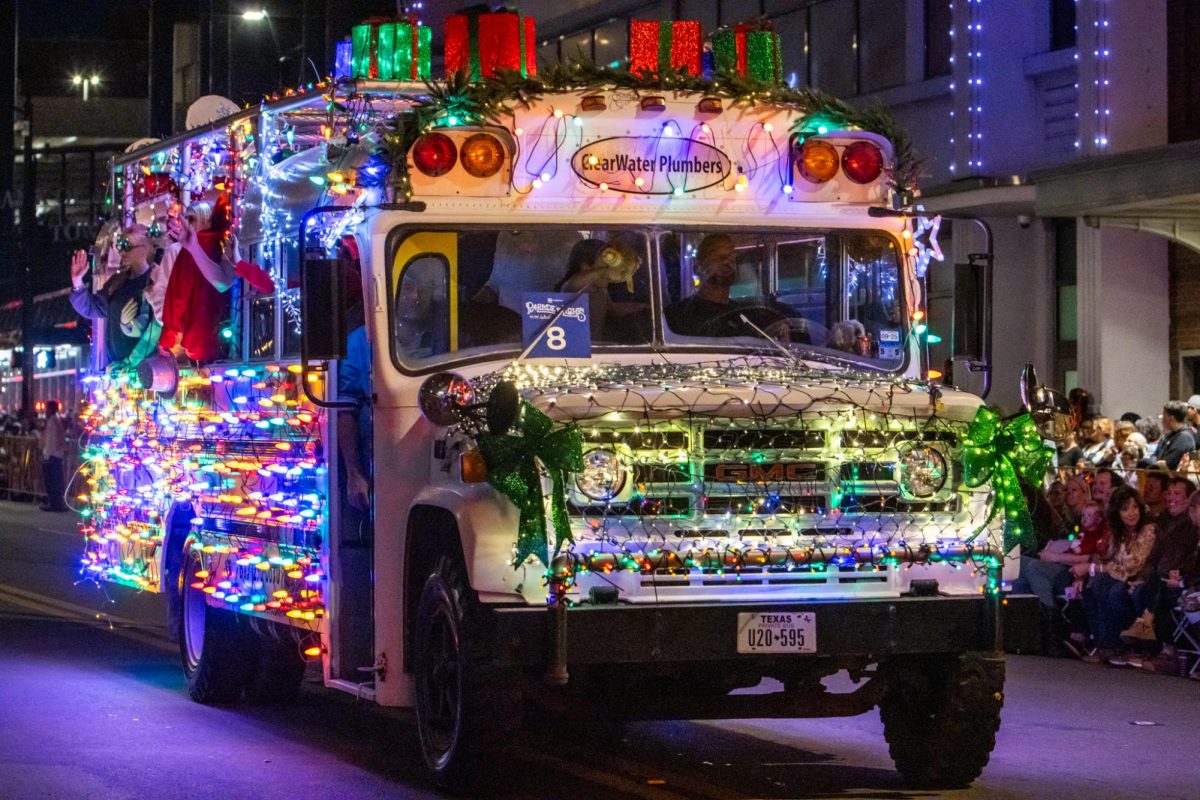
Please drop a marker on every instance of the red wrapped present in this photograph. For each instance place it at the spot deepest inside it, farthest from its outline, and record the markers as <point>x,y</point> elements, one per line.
<point>483,43</point>
<point>656,45</point>
<point>751,51</point>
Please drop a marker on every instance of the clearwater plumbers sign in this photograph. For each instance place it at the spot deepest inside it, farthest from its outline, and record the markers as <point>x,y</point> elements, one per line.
<point>651,164</point>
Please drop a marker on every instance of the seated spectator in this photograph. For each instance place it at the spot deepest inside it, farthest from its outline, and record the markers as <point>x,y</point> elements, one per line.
<point>1103,482</point>
<point>1193,412</point>
<point>1150,430</point>
<point>1047,574</point>
<point>1056,497</point>
<point>1154,492</point>
<point>1163,575</point>
<point>1178,440</point>
<point>1106,596</point>
<point>1069,452</point>
<point>1096,441</point>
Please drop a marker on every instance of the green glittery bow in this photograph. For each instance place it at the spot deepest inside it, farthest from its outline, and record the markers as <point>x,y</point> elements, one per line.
<point>1000,452</point>
<point>512,463</point>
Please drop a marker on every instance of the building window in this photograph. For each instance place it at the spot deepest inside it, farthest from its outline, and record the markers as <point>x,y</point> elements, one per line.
<point>833,39</point>
<point>939,20</point>
<point>612,43</point>
<point>793,36</point>
<point>703,10</point>
<point>734,12</point>
<point>1062,24</point>
<point>577,47</point>
<point>881,44</point>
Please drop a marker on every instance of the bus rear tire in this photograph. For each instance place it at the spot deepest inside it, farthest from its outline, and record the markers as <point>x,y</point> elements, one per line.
<point>465,707</point>
<point>216,648</point>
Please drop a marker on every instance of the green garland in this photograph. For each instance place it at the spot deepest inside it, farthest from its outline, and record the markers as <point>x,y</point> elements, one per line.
<point>493,100</point>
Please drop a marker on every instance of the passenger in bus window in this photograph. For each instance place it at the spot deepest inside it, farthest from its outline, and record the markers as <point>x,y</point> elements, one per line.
<point>192,282</point>
<point>711,310</point>
<point>120,301</point>
<point>421,318</point>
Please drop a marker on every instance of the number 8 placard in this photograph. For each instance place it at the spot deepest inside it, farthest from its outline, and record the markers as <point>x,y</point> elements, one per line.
<point>557,325</point>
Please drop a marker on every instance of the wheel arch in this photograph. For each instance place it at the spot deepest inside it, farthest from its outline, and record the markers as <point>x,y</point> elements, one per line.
<point>431,531</point>
<point>176,528</point>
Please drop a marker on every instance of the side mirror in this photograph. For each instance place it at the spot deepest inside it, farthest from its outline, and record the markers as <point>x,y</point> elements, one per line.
<point>1051,411</point>
<point>322,307</point>
<point>445,398</point>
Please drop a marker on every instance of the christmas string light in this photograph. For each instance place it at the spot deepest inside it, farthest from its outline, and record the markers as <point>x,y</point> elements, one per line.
<point>760,469</point>
<point>238,451</point>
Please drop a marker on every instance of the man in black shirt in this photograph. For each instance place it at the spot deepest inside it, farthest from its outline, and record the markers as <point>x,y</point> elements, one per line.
<point>711,311</point>
<point>1177,440</point>
<point>121,302</point>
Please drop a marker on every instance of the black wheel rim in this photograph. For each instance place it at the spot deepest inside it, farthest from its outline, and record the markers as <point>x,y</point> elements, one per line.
<point>439,685</point>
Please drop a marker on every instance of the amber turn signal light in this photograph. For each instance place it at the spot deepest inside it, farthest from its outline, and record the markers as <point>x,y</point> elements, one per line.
<point>474,468</point>
<point>818,162</point>
<point>482,155</point>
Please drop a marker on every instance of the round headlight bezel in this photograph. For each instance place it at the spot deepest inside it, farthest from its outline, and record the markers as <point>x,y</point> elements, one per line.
<point>923,471</point>
<point>590,481</point>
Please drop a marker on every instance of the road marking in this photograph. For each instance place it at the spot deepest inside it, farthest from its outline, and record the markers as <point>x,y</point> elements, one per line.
<point>73,534</point>
<point>54,607</point>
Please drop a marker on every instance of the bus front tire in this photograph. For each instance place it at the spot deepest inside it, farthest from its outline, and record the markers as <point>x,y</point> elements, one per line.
<point>465,706</point>
<point>217,649</point>
<point>940,716</point>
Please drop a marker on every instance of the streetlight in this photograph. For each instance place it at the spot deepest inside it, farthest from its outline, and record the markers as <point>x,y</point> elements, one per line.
<point>259,15</point>
<point>90,81</point>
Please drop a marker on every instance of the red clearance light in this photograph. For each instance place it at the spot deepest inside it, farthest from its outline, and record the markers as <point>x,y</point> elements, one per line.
<point>818,161</point>
<point>862,162</point>
<point>434,154</point>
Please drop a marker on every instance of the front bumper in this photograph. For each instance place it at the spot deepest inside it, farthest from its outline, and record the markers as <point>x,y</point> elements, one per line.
<point>644,634</point>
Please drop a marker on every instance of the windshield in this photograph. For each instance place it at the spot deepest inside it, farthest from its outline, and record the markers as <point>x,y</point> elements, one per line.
<point>819,294</point>
<point>460,295</point>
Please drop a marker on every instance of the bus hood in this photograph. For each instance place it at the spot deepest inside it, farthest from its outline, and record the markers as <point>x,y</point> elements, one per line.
<point>745,388</point>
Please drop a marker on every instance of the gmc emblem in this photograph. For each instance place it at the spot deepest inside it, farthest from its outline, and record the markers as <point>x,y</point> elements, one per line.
<point>795,472</point>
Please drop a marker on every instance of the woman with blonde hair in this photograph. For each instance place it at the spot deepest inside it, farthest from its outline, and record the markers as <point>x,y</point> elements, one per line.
<point>1047,574</point>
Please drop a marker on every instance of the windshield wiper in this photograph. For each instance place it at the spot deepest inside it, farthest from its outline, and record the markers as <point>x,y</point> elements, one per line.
<point>794,359</point>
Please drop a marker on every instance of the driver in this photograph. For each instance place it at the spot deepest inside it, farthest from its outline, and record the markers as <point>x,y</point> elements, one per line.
<point>711,311</point>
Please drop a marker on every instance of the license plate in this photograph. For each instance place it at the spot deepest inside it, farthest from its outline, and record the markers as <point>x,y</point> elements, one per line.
<point>777,632</point>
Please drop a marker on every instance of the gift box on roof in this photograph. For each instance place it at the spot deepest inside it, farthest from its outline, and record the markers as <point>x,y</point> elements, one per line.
<point>482,42</point>
<point>390,50</point>
<point>752,51</point>
<point>655,46</point>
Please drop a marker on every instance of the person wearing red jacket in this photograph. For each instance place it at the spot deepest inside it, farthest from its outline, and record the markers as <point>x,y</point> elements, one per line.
<point>194,305</point>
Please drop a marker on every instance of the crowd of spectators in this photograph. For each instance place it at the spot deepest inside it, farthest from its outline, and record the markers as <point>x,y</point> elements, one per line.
<point>1117,568</point>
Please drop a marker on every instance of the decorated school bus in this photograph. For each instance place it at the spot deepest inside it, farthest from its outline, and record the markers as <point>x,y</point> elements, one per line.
<point>560,386</point>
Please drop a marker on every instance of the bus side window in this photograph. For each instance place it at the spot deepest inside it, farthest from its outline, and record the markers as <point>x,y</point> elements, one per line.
<point>290,294</point>
<point>262,312</point>
<point>422,313</point>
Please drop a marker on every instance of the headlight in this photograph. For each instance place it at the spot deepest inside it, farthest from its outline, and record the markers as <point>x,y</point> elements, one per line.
<point>602,477</point>
<point>922,471</point>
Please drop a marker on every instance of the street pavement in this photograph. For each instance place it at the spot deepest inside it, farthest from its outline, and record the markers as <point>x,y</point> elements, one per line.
<point>93,705</point>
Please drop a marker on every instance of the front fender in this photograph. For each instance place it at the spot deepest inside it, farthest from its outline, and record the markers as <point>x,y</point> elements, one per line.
<point>487,528</point>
